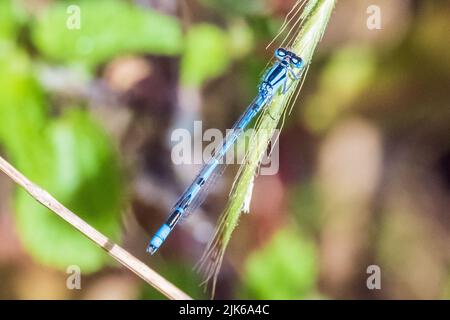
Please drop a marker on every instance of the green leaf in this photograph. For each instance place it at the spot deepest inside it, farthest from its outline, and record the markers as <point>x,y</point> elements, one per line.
<point>284,269</point>
<point>23,113</point>
<point>6,20</point>
<point>206,54</point>
<point>10,17</point>
<point>70,157</point>
<point>108,28</point>
<point>82,173</point>
<point>355,68</point>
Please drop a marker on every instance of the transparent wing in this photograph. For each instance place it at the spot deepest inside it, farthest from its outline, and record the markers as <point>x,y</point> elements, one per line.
<point>200,197</point>
<point>214,168</point>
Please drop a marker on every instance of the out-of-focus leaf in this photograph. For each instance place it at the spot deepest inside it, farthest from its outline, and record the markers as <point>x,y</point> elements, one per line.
<point>284,269</point>
<point>83,174</point>
<point>22,110</point>
<point>355,68</point>
<point>70,157</point>
<point>241,38</point>
<point>206,54</point>
<point>6,19</point>
<point>107,28</point>
<point>10,17</point>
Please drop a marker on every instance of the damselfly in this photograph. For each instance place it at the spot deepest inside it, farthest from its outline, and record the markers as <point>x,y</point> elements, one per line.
<point>278,79</point>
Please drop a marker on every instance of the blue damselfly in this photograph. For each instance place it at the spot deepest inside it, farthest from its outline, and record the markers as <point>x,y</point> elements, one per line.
<point>278,79</point>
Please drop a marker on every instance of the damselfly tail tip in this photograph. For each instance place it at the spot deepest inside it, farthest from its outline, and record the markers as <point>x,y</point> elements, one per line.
<point>158,238</point>
<point>152,248</point>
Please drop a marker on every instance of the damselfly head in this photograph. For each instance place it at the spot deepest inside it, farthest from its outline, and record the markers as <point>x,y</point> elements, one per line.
<point>292,58</point>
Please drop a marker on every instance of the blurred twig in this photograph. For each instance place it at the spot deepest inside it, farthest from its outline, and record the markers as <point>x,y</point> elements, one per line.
<point>115,251</point>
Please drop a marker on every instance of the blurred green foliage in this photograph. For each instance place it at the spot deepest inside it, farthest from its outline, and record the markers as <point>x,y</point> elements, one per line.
<point>108,28</point>
<point>206,54</point>
<point>355,68</point>
<point>7,21</point>
<point>70,156</point>
<point>22,107</point>
<point>82,172</point>
<point>286,268</point>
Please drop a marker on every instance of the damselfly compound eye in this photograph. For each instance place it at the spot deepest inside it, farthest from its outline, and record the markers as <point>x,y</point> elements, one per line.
<point>297,62</point>
<point>281,53</point>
